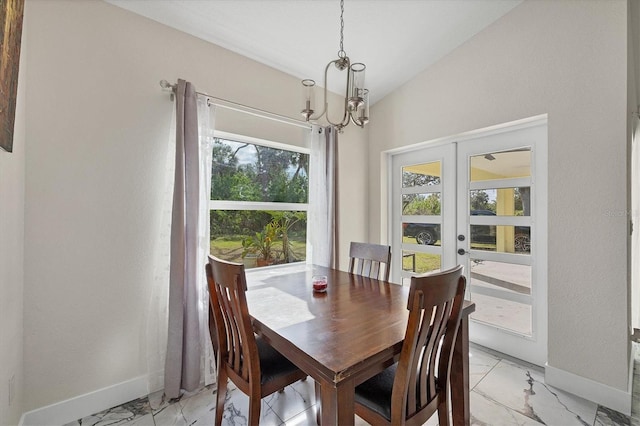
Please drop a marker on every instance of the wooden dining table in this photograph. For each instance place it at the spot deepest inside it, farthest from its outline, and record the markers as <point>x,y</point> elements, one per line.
<point>345,335</point>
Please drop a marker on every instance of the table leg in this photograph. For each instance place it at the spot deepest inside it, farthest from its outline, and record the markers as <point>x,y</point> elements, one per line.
<point>336,406</point>
<point>460,376</point>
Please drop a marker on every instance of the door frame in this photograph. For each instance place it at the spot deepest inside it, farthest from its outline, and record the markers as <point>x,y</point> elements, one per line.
<point>539,162</point>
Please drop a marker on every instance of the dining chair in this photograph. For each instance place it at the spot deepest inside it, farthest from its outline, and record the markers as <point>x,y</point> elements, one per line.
<point>366,259</point>
<point>410,391</point>
<point>255,367</point>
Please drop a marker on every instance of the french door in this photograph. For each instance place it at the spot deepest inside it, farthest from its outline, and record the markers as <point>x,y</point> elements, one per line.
<point>480,201</point>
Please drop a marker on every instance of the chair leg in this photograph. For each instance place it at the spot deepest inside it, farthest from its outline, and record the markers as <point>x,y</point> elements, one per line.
<point>255,403</point>
<point>221,395</point>
<point>443,412</point>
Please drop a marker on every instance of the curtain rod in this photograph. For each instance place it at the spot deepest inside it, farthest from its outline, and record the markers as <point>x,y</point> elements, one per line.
<point>234,106</point>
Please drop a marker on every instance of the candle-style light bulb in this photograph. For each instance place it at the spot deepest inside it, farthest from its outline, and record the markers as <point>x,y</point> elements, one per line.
<point>356,85</point>
<point>308,98</point>
<point>363,116</point>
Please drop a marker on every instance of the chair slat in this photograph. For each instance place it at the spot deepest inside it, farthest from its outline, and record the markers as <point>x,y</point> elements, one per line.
<point>368,259</point>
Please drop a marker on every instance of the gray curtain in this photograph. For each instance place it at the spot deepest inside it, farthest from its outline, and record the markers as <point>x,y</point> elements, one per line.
<point>182,367</point>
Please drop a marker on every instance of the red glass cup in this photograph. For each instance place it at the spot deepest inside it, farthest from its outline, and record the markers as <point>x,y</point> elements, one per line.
<point>319,283</point>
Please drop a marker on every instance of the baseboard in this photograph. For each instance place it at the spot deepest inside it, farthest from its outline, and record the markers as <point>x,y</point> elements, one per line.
<point>599,393</point>
<point>75,408</point>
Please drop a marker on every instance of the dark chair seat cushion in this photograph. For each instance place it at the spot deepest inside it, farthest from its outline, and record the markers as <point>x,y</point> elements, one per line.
<point>272,363</point>
<point>375,393</point>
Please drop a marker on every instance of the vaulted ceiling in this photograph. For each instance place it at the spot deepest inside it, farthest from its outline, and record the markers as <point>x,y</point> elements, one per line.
<point>396,39</point>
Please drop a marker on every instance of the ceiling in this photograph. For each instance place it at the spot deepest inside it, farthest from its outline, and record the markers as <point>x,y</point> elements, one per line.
<point>396,39</point>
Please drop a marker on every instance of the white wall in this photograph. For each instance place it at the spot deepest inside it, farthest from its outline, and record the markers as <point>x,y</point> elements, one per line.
<point>567,59</point>
<point>12,199</point>
<point>353,198</point>
<point>633,90</point>
<point>98,131</point>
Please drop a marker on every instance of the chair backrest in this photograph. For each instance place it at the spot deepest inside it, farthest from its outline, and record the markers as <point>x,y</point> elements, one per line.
<point>235,343</point>
<point>367,259</point>
<point>435,308</point>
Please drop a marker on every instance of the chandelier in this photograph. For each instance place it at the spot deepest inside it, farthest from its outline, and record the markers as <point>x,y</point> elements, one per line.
<point>356,97</point>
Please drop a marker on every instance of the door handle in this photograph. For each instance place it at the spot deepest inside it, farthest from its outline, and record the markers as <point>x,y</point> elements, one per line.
<point>462,251</point>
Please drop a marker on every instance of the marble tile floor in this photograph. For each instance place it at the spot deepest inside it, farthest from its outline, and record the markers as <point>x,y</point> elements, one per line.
<point>504,391</point>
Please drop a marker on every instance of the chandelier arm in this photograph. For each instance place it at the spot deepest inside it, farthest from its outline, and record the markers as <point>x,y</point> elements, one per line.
<point>325,102</point>
<point>345,116</point>
<point>357,121</point>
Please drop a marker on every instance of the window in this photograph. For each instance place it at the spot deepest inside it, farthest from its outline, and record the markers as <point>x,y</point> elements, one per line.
<point>259,201</point>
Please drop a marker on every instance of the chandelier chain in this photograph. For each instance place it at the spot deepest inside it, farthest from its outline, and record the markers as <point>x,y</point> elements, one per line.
<point>341,52</point>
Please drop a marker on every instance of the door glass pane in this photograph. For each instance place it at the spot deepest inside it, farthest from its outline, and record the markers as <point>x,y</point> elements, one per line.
<point>500,202</point>
<point>420,262</point>
<point>421,204</point>
<point>501,276</point>
<point>501,238</point>
<point>501,165</point>
<point>421,233</point>
<point>488,277</point>
<point>421,174</point>
<point>506,314</point>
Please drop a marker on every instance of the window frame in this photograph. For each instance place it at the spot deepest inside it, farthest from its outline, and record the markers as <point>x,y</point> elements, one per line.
<point>230,205</point>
